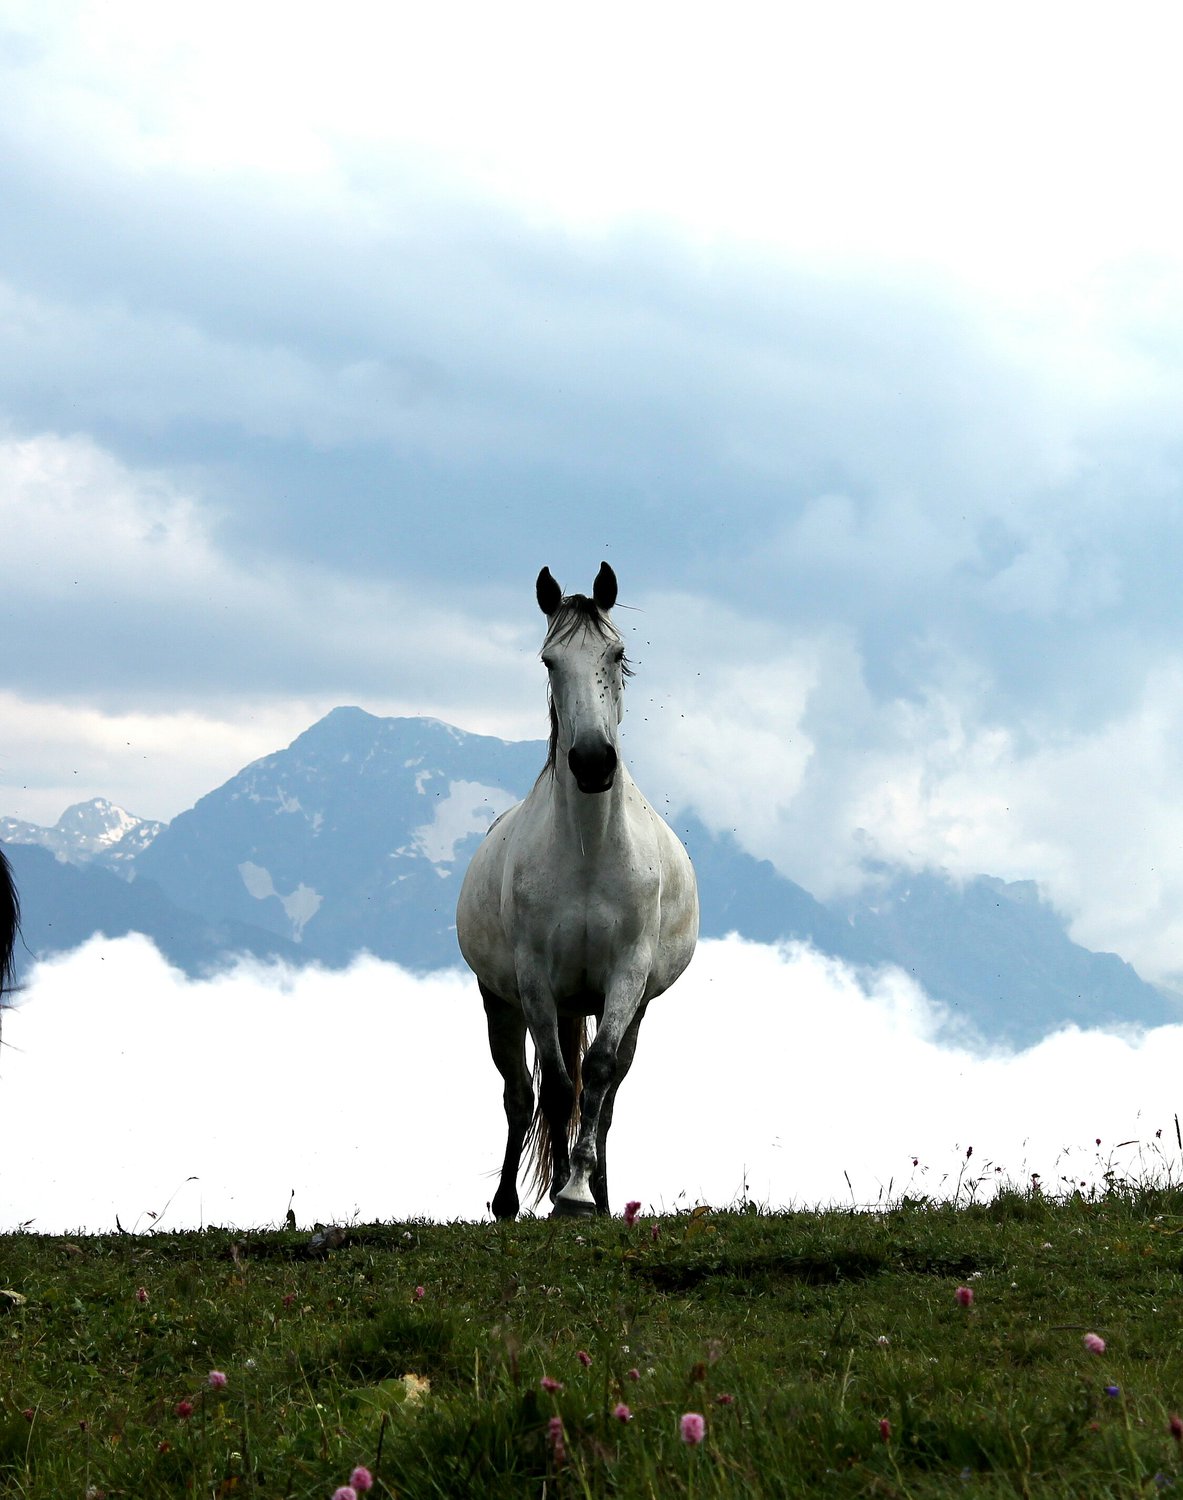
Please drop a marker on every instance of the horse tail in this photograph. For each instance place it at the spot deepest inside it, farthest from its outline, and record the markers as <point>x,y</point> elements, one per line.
<point>539,1147</point>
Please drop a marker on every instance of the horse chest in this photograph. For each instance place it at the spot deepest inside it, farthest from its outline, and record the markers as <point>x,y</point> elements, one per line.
<point>581,929</point>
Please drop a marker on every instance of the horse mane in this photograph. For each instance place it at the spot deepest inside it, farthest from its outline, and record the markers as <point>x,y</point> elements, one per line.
<point>10,926</point>
<point>576,612</point>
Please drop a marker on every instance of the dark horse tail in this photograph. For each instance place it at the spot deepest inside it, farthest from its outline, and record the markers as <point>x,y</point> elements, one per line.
<point>10,925</point>
<point>539,1147</point>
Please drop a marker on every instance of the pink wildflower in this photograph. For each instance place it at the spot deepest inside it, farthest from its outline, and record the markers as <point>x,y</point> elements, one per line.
<point>634,1373</point>
<point>965,1296</point>
<point>344,1492</point>
<point>419,1293</point>
<point>631,1209</point>
<point>693,1428</point>
<point>361,1479</point>
<point>550,1385</point>
<point>1175,1427</point>
<point>29,1413</point>
<point>1094,1343</point>
<point>217,1380</point>
<point>183,1409</point>
<point>289,1298</point>
<point>654,1230</point>
<point>621,1412</point>
<point>724,1399</point>
<point>584,1358</point>
<point>141,1294</point>
<point>885,1429</point>
<point>554,1430</point>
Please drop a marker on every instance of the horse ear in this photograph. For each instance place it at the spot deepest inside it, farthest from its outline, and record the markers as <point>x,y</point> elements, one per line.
<point>550,595</point>
<point>604,588</point>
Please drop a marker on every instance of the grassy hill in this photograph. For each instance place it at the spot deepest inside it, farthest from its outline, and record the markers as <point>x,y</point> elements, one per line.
<point>829,1353</point>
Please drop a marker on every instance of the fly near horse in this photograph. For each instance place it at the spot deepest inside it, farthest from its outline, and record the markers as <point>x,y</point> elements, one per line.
<point>581,902</point>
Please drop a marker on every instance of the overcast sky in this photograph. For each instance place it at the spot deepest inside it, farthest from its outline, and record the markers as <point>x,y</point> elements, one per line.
<point>850,335</point>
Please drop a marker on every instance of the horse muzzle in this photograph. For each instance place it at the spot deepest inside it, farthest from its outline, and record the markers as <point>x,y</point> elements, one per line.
<point>593,767</point>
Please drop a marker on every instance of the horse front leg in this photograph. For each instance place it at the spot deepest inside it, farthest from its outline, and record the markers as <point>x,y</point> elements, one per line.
<point>507,1043</point>
<point>600,1075</point>
<point>624,1061</point>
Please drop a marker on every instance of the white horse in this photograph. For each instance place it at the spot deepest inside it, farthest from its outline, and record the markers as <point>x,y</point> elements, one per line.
<point>580,902</point>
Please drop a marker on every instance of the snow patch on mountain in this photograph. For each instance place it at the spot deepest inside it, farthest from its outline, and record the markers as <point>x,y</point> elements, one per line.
<point>469,807</point>
<point>300,906</point>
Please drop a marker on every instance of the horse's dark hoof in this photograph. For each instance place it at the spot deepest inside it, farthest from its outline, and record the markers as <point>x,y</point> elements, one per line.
<point>572,1208</point>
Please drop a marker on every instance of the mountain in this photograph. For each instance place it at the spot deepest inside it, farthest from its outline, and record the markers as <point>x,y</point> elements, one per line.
<point>997,955</point>
<point>354,837</point>
<point>94,832</point>
<point>357,835</point>
<point>62,905</point>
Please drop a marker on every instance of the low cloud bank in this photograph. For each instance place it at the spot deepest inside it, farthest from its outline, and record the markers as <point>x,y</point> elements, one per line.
<point>127,1089</point>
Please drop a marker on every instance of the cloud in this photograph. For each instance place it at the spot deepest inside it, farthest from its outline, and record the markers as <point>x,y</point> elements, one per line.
<point>122,588</point>
<point>405,349</point>
<point>153,764</point>
<point>371,1094</point>
<point>149,663</point>
<point>831,139</point>
<point>308,367</point>
<point>784,738</point>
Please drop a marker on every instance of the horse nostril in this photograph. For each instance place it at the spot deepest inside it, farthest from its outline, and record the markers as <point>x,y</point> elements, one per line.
<point>594,766</point>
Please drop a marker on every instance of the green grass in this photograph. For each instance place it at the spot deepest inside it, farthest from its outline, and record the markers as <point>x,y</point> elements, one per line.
<point>817,1326</point>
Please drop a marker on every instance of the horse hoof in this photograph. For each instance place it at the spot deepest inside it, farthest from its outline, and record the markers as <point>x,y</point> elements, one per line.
<point>572,1208</point>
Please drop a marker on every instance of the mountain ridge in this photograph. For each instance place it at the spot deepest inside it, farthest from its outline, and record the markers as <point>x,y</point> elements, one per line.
<point>355,836</point>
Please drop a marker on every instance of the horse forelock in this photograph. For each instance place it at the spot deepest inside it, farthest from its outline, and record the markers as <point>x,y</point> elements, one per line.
<point>576,612</point>
<point>579,611</point>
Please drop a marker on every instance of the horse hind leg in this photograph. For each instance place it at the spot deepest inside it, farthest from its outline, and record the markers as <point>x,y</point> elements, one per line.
<point>507,1043</point>
<point>558,1101</point>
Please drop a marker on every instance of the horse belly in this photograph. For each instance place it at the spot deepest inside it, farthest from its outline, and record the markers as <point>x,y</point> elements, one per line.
<point>480,929</point>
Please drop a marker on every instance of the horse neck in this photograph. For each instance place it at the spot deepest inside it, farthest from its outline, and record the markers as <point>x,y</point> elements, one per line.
<point>589,820</point>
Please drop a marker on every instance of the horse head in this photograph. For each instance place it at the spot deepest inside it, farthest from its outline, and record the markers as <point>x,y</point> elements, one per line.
<point>585,661</point>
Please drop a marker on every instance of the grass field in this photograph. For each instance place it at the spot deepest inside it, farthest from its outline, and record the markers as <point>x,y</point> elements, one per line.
<point>829,1354</point>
